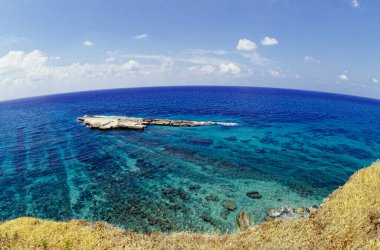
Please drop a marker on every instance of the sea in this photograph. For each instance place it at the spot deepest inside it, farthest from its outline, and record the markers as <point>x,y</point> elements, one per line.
<point>292,147</point>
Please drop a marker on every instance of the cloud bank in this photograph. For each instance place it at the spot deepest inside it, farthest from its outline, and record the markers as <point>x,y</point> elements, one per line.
<point>35,73</point>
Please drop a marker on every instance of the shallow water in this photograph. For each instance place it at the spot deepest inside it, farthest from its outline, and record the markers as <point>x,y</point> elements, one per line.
<point>293,147</point>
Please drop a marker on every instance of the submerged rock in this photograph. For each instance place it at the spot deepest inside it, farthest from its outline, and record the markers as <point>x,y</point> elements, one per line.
<point>174,206</point>
<point>260,151</point>
<point>173,194</point>
<point>254,195</point>
<point>168,191</point>
<point>231,138</point>
<point>194,187</point>
<point>212,197</point>
<point>201,141</point>
<point>230,205</point>
<point>246,141</point>
<point>206,218</point>
<point>224,214</point>
<point>153,221</point>
<point>214,222</point>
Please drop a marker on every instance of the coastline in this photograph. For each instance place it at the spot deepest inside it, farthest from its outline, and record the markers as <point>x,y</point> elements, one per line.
<point>348,218</point>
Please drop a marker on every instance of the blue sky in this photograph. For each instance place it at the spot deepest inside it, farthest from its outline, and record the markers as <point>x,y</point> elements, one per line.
<point>54,46</point>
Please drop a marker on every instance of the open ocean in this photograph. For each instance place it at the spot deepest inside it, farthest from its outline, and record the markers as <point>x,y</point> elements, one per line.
<point>293,147</point>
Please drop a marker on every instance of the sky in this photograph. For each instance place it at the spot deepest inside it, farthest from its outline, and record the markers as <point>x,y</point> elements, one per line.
<point>56,46</point>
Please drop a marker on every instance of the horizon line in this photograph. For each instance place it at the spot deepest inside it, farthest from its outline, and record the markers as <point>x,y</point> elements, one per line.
<point>184,86</point>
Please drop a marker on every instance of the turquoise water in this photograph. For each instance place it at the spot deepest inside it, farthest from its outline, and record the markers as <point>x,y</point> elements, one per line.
<point>293,147</point>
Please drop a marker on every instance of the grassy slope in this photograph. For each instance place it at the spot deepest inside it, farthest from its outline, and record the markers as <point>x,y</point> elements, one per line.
<point>348,218</point>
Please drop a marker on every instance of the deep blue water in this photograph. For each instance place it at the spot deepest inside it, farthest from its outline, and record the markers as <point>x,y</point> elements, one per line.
<point>294,147</point>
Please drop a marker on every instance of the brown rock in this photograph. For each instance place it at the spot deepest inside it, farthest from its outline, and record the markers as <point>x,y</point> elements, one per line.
<point>230,205</point>
<point>212,197</point>
<point>254,195</point>
<point>242,221</point>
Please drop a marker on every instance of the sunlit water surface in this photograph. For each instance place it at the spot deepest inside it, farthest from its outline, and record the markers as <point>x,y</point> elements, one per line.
<point>293,147</point>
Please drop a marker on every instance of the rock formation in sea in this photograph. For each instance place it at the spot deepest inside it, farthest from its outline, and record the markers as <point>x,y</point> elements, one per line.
<point>242,221</point>
<point>125,122</point>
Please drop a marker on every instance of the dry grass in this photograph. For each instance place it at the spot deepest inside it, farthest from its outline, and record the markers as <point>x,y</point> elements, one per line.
<point>348,219</point>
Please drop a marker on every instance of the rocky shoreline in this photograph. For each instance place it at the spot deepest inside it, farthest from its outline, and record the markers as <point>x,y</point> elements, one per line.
<point>348,219</point>
<point>133,123</point>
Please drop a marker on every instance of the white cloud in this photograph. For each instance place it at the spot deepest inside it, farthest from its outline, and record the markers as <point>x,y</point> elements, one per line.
<point>343,77</point>
<point>247,49</point>
<point>267,41</point>
<point>88,43</point>
<point>374,80</point>
<point>246,45</point>
<point>19,68</point>
<point>275,73</point>
<point>131,65</point>
<point>141,36</point>
<point>206,69</point>
<point>230,68</point>
<point>311,59</point>
<point>57,58</point>
<point>355,3</point>
<point>21,61</point>
<point>155,63</point>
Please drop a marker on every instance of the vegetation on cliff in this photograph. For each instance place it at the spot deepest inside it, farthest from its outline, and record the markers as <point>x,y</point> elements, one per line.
<point>348,218</point>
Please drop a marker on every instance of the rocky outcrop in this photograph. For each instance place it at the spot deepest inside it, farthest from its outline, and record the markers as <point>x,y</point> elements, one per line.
<point>242,221</point>
<point>124,122</point>
<point>286,212</point>
<point>113,122</point>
